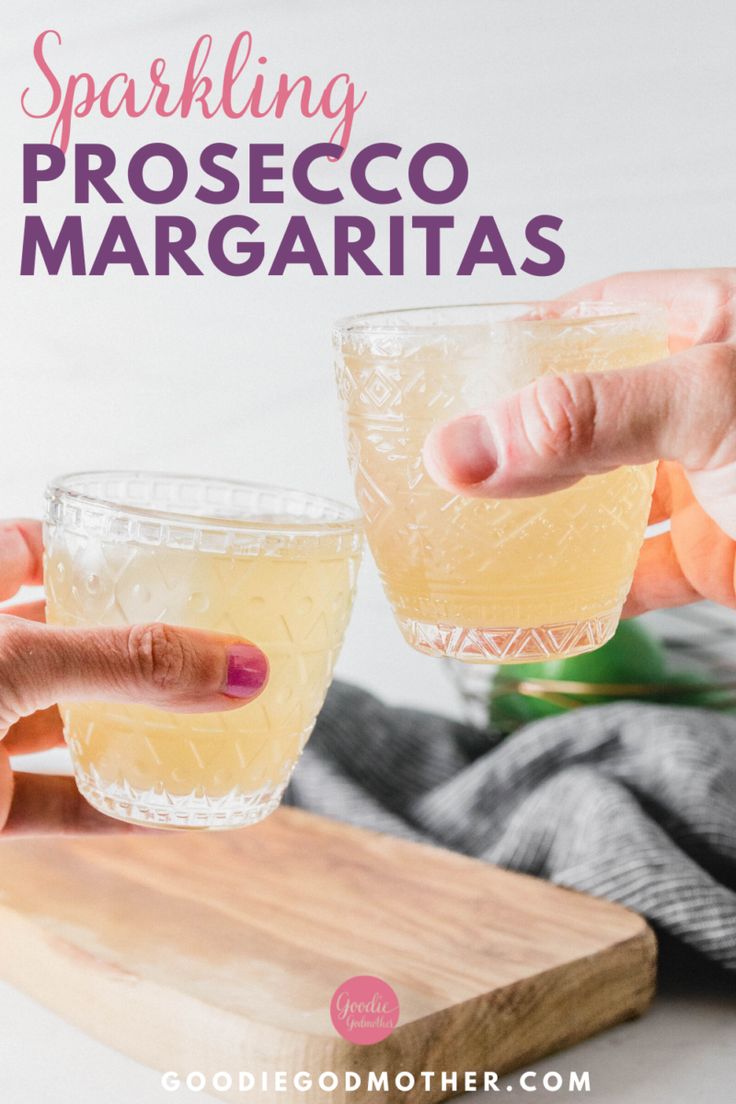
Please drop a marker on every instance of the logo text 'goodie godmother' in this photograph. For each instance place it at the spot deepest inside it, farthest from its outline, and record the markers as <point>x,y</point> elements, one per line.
<point>364,1010</point>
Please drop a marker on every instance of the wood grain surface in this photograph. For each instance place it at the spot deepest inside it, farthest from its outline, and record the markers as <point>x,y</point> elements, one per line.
<point>221,951</point>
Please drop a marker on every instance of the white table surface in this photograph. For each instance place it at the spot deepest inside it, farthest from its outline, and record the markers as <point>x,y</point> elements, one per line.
<point>682,1052</point>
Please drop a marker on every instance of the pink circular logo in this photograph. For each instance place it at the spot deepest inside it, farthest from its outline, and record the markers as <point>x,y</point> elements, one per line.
<point>364,1010</point>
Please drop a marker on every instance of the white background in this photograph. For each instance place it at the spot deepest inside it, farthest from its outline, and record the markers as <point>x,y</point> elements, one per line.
<point>619,118</point>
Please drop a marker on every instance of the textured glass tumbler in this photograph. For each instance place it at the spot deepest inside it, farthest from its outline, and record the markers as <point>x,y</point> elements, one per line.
<point>490,581</point>
<point>275,566</point>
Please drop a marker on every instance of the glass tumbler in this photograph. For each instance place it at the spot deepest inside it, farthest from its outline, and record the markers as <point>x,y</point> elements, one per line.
<point>490,581</point>
<point>275,566</point>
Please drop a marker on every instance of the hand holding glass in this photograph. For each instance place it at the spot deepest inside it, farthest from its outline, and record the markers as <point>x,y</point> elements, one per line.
<point>277,567</point>
<point>490,581</point>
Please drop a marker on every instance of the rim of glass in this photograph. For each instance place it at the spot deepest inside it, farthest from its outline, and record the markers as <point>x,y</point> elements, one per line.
<point>349,519</point>
<point>458,316</point>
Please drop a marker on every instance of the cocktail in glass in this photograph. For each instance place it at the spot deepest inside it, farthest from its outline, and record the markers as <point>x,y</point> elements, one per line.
<point>490,581</point>
<point>274,566</point>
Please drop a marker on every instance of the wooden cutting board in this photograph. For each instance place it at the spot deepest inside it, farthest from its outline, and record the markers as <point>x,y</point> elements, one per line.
<point>214,952</point>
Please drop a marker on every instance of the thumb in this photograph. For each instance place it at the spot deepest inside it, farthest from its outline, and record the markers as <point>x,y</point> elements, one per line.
<point>560,428</point>
<point>185,670</point>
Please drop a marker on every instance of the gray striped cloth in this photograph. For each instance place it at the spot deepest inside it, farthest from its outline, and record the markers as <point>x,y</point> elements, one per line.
<point>636,803</point>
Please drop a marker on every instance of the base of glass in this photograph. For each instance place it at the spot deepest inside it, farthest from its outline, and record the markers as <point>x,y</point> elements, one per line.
<point>160,809</point>
<point>509,644</point>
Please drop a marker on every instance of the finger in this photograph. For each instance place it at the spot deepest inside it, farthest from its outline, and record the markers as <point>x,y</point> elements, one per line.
<point>186,670</point>
<point>694,560</point>
<point>21,556</point>
<point>29,611</point>
<point>701,304</point>
<point>37,732</point>
<point>707,553</point>
<point>560,428</point>
<point>47,804</point>
<point>659,580</point>
<point>6,786</point>
<point>661,508</point>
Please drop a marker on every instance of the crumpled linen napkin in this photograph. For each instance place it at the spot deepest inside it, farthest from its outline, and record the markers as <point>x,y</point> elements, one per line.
<point>632,802</point>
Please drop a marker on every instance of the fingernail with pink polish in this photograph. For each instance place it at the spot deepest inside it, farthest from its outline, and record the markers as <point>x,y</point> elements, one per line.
<point>247,671</point>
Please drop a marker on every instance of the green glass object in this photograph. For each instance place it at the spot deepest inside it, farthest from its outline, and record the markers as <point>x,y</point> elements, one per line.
<point>632,665</point>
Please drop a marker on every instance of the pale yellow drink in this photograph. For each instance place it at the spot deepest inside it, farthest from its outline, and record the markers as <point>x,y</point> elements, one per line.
<point>284,582</point>
<point>490,580</point>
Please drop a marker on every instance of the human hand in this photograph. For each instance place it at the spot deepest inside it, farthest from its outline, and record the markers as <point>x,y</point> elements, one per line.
<point>680,410</point>
<point>185,670</point>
